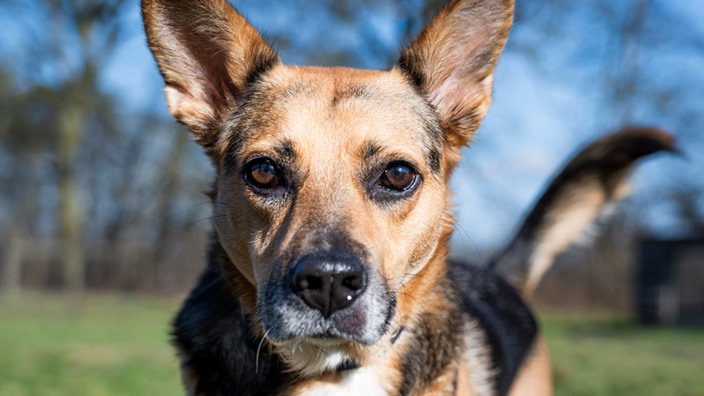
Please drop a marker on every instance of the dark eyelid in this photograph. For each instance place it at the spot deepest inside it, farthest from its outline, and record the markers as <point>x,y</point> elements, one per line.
<point>386,195</point>
<point>281,186</point>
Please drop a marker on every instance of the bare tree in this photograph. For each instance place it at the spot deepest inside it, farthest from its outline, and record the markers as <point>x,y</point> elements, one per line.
<point>66,54</point>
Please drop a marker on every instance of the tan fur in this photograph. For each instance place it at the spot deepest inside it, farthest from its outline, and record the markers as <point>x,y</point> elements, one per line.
<point>569,225</point>
<point>535,377</point>
<point>332,128</point>
<point>464,385</point>
<point>325,155</point>
<point>589,184</point>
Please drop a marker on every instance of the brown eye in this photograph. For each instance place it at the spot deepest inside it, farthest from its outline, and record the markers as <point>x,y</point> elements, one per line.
<point>262,173</point>
<point>397,177</point>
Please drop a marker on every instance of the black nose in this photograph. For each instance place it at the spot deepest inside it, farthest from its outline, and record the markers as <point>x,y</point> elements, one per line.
<point>328,283</point>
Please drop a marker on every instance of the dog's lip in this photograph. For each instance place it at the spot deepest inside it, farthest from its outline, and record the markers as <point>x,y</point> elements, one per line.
<point>325,341</point>
<point>322,340</point>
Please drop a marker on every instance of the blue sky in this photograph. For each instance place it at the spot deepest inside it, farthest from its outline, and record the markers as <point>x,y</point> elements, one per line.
<point>537,120</point>
<point>484,220</point>
<point>539,116</point>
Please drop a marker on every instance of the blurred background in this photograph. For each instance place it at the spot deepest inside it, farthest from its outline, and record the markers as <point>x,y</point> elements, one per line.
<point>101,191</point>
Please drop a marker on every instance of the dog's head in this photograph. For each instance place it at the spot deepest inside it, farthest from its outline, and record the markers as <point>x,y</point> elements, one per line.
<point>331,196</point>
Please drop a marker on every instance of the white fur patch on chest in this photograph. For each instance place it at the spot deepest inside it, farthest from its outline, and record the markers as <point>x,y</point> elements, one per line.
<point>361,381</point>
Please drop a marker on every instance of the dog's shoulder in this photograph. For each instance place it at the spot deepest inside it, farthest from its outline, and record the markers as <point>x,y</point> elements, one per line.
<point>219,350</point>
<point>508,324</point>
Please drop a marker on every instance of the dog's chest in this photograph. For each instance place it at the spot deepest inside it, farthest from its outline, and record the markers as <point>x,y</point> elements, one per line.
<point>362,381</point>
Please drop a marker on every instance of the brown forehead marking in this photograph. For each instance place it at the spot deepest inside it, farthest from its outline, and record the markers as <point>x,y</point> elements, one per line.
<point>262,105</point>
<point>285,150</point>
<point>369,150</point>
<point>350,92</point>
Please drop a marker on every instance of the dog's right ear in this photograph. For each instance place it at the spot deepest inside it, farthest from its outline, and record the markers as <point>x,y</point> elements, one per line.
<point>207,53</point>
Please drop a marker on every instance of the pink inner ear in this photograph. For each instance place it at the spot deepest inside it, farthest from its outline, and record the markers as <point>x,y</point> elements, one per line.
<point>188,109</point>
<point>460,83</point>
<point>457,93</point>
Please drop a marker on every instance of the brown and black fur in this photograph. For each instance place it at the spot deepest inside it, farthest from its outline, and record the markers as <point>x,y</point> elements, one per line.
<point>327,271</point>
<point>593,178</point>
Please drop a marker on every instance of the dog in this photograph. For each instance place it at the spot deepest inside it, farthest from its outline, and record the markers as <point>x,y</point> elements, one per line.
<point>328,269</point>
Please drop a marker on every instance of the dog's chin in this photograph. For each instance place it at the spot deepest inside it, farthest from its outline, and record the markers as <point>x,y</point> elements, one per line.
<point>310,357</point>
<point>324,346</point>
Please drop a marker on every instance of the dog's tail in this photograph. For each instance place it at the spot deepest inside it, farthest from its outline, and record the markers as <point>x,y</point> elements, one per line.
<point>578,195</point>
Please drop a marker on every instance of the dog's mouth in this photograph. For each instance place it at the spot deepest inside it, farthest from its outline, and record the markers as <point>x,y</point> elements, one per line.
<point>326,298</point>
<point>290,320</point>
<point>328,339</point>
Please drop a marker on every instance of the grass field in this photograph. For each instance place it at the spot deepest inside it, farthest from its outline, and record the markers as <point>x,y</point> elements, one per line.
<point>113,345</point>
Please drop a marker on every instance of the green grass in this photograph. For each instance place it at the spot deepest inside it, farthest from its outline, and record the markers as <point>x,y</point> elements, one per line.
<point>112,345</point>
<point>57,345</point>
<point>611,356</point>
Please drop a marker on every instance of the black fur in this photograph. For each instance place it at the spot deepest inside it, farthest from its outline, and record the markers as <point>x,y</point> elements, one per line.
<point>221,348</point>
<point>436,342</point>
<point>507,322</point>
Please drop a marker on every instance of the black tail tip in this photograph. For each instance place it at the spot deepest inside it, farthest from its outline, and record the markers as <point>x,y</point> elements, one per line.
<point>646,140</point>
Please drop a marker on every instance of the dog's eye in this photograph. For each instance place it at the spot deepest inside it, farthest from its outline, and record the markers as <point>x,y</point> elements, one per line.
<point>262,173</point>
<point>399,180</point>
<point>398,176</point>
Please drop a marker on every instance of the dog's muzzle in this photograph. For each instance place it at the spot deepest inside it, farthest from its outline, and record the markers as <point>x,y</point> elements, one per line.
<point>328,283</point>
<point>326,295</point>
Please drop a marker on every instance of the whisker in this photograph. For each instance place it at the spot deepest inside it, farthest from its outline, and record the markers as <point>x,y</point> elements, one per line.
<point>207,219</point>
<point>199,204</point>
<point>321,350</point>
<point>465,236</point>
<point>259,349</point>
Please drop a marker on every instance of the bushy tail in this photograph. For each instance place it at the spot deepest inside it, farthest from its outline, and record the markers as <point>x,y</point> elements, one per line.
<point>595,177</point>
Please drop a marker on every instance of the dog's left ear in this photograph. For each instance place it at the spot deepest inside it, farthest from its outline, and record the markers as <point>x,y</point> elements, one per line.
<point>452,62</point>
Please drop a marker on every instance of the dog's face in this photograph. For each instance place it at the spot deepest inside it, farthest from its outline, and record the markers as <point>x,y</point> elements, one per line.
<point>330,199</point>
<point>331,194</point>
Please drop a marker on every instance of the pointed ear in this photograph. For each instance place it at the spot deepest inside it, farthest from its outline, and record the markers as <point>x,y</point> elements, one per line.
<point>207,53</point>
<point>452,61</point>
